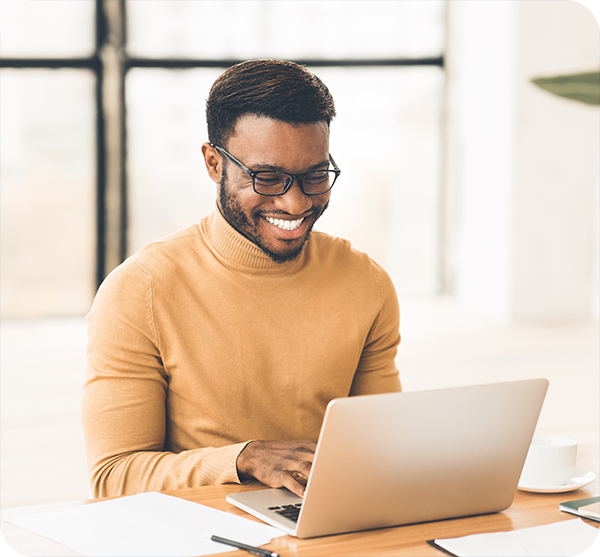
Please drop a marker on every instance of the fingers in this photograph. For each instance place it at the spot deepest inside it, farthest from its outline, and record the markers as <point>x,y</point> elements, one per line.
<point>278,463</point>
<point>289,482</point>
<point>300,478</point>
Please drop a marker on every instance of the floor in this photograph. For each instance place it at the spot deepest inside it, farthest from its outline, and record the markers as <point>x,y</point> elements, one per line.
<point>42,361</point>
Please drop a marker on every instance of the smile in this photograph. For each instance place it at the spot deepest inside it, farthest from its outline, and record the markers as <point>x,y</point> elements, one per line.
<point>285,224</point>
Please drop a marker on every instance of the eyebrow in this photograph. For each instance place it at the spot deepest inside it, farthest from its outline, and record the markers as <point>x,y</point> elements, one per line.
<point>273,168</point>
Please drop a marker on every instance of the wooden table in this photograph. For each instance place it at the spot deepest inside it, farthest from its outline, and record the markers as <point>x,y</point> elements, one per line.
<point>528,509</point>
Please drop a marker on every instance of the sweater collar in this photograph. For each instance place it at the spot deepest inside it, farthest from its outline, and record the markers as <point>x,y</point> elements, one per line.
<point>235,250</point>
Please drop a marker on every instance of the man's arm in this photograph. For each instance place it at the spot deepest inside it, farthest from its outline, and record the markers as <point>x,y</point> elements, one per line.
<point>124,398</point>
<point>124,409</point>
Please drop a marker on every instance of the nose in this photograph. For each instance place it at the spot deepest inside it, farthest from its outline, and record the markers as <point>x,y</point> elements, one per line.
<point>294,201</point>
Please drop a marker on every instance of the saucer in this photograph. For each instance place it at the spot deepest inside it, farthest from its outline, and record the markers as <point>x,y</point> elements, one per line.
<point>581,477</point>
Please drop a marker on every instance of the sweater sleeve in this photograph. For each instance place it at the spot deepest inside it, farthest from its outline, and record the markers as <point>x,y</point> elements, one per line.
<point>377,371</point>
<point>123,406</point>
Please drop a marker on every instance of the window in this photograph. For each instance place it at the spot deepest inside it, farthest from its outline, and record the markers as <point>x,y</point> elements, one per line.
<point>383,64</point>
<point>105,156</point>
<point>47,204</point>
<point>48,159</point>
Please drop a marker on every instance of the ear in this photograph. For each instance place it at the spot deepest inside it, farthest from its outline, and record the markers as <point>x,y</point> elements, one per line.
<point>213,162</point>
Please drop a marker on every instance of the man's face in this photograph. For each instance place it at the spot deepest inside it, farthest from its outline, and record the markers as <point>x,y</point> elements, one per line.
<point>279,225</point>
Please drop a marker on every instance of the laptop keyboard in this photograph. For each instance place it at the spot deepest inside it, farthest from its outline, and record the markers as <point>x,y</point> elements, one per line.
<point>289,511</point>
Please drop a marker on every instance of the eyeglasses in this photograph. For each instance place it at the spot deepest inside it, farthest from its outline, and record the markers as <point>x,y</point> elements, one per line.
<point>271,182</point>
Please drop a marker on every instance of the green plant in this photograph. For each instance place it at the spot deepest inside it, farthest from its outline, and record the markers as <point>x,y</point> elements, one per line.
<point>582,87</point>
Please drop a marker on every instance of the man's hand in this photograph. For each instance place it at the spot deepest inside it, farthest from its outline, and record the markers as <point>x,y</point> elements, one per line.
<point>277,463</point>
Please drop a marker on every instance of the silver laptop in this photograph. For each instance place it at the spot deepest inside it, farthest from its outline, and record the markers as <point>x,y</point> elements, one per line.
<point>402,458</point>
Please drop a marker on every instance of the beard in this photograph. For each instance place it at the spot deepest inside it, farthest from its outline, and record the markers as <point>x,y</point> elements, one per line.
<point>248,224</point>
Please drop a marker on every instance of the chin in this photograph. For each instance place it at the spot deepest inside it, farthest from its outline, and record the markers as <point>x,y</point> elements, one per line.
<point>282,257</point>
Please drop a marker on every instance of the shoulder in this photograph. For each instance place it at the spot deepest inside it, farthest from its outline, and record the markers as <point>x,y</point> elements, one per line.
<point>327,246</point>
<point>154,260</point>
<point>169,255</point>
<point>170,247</point>
<point>340,257</point>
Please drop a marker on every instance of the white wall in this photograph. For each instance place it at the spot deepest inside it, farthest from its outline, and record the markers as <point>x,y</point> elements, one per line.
<point>522,163</point>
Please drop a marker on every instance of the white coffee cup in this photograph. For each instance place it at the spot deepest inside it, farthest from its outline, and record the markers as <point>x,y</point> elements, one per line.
<point>550,461</point>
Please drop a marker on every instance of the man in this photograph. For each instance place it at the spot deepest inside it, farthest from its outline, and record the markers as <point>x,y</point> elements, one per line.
<point>213,353</point>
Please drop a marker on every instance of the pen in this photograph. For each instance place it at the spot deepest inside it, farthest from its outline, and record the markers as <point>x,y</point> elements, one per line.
<point>249,548</point>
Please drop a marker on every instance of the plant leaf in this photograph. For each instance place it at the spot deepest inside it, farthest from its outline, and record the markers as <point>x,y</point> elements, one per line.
<point>582,87</point>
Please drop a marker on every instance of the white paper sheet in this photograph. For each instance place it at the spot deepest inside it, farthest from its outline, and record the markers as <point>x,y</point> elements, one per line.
<point>561,539</point>
<point>145,525</point>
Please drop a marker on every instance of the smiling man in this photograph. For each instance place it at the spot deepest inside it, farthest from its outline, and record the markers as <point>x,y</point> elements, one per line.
<point>214,352</point>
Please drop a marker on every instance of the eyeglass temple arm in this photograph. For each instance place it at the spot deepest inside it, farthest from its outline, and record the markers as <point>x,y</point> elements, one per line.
<point>333,163</point>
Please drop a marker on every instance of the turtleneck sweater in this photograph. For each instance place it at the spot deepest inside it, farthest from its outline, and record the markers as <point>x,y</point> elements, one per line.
<point>200,343</point>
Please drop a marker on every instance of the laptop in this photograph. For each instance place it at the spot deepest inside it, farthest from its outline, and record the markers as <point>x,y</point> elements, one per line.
<point>402,458</point>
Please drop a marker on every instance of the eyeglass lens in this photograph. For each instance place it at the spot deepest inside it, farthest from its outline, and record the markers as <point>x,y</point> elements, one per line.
<point>276,182</point>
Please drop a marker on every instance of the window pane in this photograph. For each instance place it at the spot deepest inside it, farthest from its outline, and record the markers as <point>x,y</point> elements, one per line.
<point>386,140</point>
<point>47,199</point>
<point>292,29</point>
<point>42,29</point>
<point>167,181</point>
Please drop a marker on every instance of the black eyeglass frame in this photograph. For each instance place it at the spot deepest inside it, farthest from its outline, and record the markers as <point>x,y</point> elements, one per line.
<point>288,183</point>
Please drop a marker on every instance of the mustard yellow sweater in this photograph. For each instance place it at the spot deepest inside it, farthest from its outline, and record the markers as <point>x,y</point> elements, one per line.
<point>200,343</point>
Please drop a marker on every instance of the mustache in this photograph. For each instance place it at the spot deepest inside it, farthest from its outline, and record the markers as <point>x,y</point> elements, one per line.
<point>278,212</point>
<point>313,211</point>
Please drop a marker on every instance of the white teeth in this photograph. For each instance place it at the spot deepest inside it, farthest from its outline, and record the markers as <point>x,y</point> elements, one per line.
<point>285,224</point>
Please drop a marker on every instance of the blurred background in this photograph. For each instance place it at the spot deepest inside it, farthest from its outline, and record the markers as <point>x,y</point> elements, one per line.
<point>476,189</point>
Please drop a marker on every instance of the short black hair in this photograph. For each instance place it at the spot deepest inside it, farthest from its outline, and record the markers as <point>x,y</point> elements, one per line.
<point>277,89</point>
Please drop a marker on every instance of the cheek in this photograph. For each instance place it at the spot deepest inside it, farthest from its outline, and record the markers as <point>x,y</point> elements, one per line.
<point>250,202</point>
<point>322,201</point>
<point>241,193</point>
